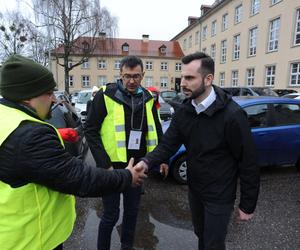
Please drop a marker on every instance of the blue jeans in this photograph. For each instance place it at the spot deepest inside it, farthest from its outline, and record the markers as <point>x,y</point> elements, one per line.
<point>111,206</point>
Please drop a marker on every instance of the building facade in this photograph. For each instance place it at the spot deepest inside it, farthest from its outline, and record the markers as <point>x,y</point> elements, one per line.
<point>161,60</point>
<point>253,42</point>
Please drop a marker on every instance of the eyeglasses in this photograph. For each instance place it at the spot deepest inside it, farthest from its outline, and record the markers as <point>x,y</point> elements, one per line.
<point>135,77</point>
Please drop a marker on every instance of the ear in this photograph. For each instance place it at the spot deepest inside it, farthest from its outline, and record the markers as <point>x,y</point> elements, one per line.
<point>209,80</point>
<point>143,74</point>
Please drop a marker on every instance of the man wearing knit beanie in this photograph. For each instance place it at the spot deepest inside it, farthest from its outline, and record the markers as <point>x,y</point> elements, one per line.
<point>38,178</point>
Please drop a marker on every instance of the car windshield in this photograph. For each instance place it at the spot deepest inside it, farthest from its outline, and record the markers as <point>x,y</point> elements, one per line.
<point>168,94</point>
<point>83,97</point>
<point>265,91</point>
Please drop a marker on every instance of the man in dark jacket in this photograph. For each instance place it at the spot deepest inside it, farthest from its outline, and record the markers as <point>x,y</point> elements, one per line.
<point>37,176</point>
<point>220,148</point>
<point>122,123</point>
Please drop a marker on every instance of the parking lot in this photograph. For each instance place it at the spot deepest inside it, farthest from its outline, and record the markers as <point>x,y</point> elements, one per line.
<point>164,218</point>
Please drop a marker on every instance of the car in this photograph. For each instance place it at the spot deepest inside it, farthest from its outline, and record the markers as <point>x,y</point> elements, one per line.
<point>292,95</point>
<point>168,95</point>
<point>80,106</point>
<point>282,92</point>
<point>177,101</point>
<point>68,124</point>
<point>275,127</point>
<point>250,91</point>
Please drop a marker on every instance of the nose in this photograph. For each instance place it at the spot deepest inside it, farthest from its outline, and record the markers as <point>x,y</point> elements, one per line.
<point>182,82</point>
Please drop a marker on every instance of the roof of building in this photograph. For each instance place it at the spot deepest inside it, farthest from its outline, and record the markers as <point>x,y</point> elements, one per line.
<point>139,47</point>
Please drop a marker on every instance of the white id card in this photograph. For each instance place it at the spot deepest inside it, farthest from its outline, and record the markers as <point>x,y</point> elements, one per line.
<point>134,139</point>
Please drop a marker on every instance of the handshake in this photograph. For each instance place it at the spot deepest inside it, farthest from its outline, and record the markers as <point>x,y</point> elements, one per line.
<point>140,170</point>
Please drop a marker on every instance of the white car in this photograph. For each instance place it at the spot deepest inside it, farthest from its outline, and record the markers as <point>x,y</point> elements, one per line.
<point>80,105</point>
<point>292,95</point>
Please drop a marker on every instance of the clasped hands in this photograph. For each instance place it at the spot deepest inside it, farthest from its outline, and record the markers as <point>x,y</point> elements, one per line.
<point>140,170</point>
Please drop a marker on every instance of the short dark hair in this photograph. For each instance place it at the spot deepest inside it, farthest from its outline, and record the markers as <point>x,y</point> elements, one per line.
<point>207,63</point>
<point>131,62</point>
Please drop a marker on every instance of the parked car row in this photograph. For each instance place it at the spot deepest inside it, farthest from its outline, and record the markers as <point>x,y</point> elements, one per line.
<point>275,126</point>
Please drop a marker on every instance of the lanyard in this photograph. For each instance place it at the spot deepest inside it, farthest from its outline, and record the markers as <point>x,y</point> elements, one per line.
<point>132,113</point>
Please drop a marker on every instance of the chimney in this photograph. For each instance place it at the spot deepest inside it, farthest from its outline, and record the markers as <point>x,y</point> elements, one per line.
<point>102,35</point>
<point>204,9</point>
<point>192,20</point>
<point>145,38</point>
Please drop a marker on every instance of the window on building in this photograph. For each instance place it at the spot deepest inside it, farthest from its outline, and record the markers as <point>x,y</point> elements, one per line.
<point>238,14</point>
<point>213,51</point>
<point>148,81</point>
<point>178,66</point>
<point>214,28</point>
<point>190,41</point>
<point>255,5</point>
<point>70,63</point>
<point>250,77</point>
<point>164,82</point>
<point>252,41</point>
<point>270,75</point>
<point>236,47</point>
<point>102,80</point>
<point>149,65</point>
<point>197,37</point>
<point>101,64</point>
<point>223,51</point>
<point>85,81</point>
<point>225,22</point>
<point>71,81</point>
<point>204,33</point>
<point>295,74</point>
<point>85,64</point>
<point>163,66</point>
<point>184,44</point>
<point>125,47</point>
<point>297,28</point>
<point>117,64</point>
<point>275,1</point>
<point>222,79</point>
<point>273,35</point>
<point>234,78</point>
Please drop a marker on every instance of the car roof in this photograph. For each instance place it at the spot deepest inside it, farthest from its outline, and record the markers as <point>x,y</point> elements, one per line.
<point>246,100</point>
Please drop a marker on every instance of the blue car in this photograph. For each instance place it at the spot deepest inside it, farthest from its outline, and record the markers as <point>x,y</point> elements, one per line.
<point>275,126</point>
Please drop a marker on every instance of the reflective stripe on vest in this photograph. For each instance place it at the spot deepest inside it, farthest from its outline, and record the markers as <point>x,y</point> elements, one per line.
<point>113,133</point>
<point>32,216</point>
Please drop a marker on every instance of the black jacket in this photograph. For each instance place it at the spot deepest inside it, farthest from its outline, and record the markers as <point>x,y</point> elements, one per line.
<point>34,154</point>
<point>97,113</point>
<point>219,148</point>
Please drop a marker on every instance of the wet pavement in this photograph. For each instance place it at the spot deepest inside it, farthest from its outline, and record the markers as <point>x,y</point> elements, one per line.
<point>164,219</point>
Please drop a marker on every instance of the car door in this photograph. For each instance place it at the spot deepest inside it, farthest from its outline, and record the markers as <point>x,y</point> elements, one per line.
<point>258,120</point>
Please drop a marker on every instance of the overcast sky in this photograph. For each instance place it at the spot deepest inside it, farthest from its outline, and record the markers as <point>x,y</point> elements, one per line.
<point>160,19</point>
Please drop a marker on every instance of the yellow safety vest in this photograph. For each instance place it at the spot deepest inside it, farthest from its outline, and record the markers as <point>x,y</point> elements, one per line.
<point>32,216</point>
<point>113,134</point>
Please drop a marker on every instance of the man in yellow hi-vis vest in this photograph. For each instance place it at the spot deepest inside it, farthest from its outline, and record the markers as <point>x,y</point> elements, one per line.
<point>122,123</point>
<point>38,178</point>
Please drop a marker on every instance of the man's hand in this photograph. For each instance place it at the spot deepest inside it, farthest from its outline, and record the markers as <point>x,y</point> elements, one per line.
<point>138,173</point>
<point>164,169</point>
<point>142,165</point>
<point>241,216</point>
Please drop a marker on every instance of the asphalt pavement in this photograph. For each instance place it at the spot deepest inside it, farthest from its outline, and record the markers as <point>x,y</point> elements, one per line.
<point>164,219</point>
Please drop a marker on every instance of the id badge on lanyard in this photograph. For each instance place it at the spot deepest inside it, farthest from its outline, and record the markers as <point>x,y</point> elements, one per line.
<point>135,139</point>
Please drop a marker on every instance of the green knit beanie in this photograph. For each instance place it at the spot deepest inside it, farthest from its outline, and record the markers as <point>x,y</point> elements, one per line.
<point>22,79</point>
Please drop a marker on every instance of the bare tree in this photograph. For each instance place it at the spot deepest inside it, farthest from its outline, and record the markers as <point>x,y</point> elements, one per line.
<point>68,21</point>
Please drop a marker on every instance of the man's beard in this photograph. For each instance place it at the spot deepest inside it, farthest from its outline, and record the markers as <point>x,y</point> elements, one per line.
<point>198,92</point>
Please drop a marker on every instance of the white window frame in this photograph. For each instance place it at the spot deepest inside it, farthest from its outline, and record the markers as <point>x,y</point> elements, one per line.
<point>225,22</point>
<point>213,51</point>
<point>222,79</point>
<point>295,74</point>
<point>178,66</point>
<point>223,51</point>
<point>273,40</point>
<point>163,66</point>
<point>102,64</point>
<point>148,81</point>
<point>85,64</point>
<point>252,41</point>
<point>164,82</point>
<point>234,78</point>
<point>85,81</point>
<point>250,77</point>
<point>238,14</point>
<point>102,80</point>
<point>255,6</point>
<point>236,47</point>
<point>70,63</point>
<point>149,65</point>
<point>297,28</point>
<point>270,73</point>
<point>117,64</point>
<point>275,1</point>
<point>71,81</point>
<point>214,28</point>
